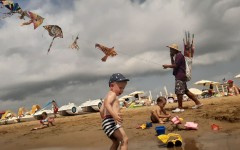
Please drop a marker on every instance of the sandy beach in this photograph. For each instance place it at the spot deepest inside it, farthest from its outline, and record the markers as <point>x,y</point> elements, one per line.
<point>85,132</point>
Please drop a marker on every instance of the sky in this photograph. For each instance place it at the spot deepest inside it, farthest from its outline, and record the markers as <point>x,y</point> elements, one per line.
<point>139,30</point>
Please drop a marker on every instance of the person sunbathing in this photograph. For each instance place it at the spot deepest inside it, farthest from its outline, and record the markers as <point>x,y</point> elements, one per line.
<point>232,89</point>
<point>45,121</point>
<point>159,115</point>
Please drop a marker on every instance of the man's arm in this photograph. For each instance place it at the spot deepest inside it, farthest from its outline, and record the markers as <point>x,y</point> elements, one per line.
<point>169,66</point>
<point>173,65</point>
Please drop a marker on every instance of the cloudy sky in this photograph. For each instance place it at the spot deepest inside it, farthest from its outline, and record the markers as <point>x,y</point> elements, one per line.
<point>140,30</point>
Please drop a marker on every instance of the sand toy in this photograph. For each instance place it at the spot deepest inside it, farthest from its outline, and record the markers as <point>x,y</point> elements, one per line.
<point>191,125</point>
<point>176,120</point>
<point>171,139</point>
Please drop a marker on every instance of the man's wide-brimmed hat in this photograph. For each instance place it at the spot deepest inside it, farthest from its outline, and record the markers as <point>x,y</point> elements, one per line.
<point>174,46</point>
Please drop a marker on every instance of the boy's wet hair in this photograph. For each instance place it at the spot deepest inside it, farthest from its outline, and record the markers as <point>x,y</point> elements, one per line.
<point>161,99</point>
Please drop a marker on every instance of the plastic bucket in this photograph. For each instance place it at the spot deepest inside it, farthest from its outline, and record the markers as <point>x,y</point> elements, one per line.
<point>160,130</point>
<point>148,124</point>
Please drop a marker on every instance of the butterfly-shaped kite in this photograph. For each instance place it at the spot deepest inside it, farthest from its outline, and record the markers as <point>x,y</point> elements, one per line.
<point>34,18</point>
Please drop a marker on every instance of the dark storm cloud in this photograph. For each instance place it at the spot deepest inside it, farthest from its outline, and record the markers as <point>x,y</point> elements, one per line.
<point>138,1</point>
<point>23,90</point>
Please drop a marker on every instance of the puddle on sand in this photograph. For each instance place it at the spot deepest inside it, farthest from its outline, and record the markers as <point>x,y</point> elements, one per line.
<point>216,141</point>
<point>64,148</point>
<point>67,148</point>
<point>208,141</point>
<point>189,144</point>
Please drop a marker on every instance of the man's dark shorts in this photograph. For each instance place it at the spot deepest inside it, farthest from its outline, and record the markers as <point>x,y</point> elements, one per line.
<point>180,87</point>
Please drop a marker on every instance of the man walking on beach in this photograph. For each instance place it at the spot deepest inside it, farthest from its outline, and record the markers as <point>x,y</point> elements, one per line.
<point>179,71</point>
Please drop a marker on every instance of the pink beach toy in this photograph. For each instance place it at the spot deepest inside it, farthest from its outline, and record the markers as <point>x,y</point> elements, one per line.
<point>176,120</point>
<point>191,125</point>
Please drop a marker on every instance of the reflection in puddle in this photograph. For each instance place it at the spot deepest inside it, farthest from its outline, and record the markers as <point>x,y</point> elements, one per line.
<point>190,144</point>
<point>62,148</point>
<point>207,141</point>
<point>52,148</point>
<point>216,141</point>
<point>65,148</point>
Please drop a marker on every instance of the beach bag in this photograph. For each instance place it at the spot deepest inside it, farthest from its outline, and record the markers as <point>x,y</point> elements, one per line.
<point>188,61</point>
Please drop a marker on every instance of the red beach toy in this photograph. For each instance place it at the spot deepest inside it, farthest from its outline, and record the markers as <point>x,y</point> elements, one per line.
<point>215,127</point>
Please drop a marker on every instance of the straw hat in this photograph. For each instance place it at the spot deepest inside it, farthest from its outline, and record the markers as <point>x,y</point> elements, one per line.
<point>174,46</point>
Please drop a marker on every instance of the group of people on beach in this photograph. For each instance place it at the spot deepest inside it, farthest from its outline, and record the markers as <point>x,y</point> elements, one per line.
<point>231,89</point>
<point>110,110</point>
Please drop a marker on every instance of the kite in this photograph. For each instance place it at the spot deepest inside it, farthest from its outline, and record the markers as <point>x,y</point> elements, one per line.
<point>54,31</point>
<point>188,47</point>
<point>74,45</point>
<point>34,18</point>
<point>13,7</point>
<point>188,53</point>
<point>107,51</point>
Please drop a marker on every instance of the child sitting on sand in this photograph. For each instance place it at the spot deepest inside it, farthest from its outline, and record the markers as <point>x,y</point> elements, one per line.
<point>159,115</point>
<point>110,113</point>
<point>45,121</point>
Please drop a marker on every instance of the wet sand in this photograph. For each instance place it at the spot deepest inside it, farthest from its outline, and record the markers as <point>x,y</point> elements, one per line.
<point>84,131</point>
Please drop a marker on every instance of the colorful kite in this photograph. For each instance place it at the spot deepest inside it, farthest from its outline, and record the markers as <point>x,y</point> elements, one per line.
<point>54,31</point>
<point>74,45</point>
<point>13,7</point>
<point>188,53</point>
<point>107,51</point>
<point>34,18</point>
<point>188,45</point>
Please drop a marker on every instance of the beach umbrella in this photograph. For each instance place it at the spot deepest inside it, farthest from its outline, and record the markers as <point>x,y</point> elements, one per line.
<point>206,82</point>
<point>136,92</point>
<point>237,76</point>
<point>195,91</point>
<point>202,82</point>
<point>124,97</point>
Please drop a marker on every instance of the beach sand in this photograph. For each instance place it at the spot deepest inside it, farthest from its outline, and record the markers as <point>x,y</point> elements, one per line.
<point>84,131</point>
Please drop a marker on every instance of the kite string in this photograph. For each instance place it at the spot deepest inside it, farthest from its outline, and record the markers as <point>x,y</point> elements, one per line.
<point>142,59</point>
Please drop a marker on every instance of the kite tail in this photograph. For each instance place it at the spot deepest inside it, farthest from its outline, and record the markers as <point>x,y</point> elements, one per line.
<point>104,58</point>
<point>51,45</point>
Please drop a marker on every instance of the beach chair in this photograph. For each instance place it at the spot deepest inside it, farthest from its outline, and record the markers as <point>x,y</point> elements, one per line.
<point>222,90</point>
